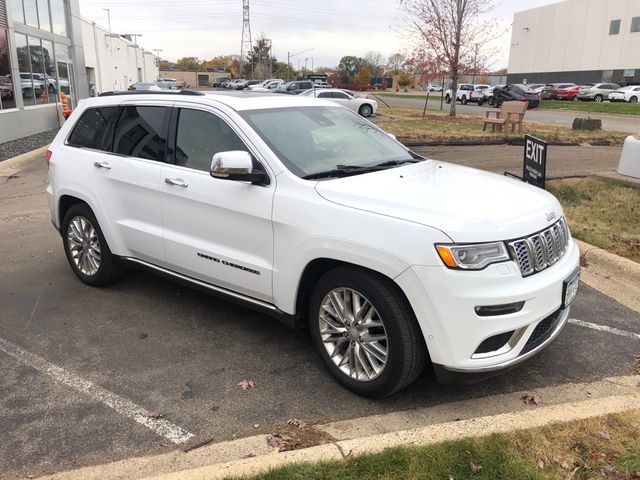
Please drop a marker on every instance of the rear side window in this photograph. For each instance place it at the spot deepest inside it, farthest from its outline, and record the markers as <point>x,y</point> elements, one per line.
<point>95,129</point>
<point>142,132</point>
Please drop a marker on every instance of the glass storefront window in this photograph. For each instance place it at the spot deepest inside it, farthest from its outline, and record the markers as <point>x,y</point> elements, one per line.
<point>38,74</point>
<point>50,70</point>
<point>18,12</point>
<point>59,17</point>
<point>24,65</point>
<point>7,93</point>
<point>43,15</point>
<point>31,13</point>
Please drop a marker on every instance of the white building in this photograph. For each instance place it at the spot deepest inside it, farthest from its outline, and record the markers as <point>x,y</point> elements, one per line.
<point>113,62</point>
<point>577,41</point>
<point>47,49</point>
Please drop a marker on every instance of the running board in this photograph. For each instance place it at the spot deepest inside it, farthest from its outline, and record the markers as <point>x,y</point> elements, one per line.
<point>239,298</point>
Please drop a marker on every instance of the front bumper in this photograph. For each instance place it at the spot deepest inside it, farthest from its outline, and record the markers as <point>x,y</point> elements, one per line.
<point>445,302</point>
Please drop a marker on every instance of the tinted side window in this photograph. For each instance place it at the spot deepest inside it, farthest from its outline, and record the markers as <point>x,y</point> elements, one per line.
<point>200,136</point>
<point>95,129</point>
<point>141,132</point>
<point>340,95</point>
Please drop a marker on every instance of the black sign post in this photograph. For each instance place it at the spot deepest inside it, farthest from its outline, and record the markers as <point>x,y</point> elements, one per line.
<point>535,161</point>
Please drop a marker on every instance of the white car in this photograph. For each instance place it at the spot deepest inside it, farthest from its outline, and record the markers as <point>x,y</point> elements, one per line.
<point>466,93</point>
<point>302,209</point>
<point>364,106</point>
<point>267,85</point>
<point>629,94</point>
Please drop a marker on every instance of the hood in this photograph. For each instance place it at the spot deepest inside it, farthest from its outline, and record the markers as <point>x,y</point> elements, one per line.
<point>468,205</point>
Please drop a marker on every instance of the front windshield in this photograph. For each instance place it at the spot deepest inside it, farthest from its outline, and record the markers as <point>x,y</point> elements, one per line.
<point>316,139</point>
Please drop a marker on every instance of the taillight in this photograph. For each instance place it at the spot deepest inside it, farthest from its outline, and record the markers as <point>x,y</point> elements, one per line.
<point>523,99</point>
<point>47,157</point>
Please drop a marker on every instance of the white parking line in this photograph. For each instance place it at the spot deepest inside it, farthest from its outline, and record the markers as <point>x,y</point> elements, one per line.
<point>162,427</point>
<point>604,328</point>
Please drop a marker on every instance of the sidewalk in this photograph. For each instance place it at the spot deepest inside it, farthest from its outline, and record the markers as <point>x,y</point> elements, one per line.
<point>562,161</point>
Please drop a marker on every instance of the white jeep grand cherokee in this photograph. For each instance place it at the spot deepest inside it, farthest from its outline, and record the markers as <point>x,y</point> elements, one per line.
<point>303,209</point>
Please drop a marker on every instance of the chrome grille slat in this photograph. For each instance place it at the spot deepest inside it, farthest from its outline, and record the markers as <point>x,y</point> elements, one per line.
<point>540,250</point>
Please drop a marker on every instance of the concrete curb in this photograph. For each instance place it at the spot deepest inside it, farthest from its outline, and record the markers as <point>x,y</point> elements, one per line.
<point>615,276</point>
<point>14,165</point>
<point>466,418</point>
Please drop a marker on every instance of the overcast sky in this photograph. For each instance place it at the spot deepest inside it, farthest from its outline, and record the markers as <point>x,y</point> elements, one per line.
<point>332,28</point>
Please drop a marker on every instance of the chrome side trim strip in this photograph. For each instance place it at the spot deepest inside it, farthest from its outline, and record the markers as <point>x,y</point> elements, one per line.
<point>564,316</point>
<point>200,283</point>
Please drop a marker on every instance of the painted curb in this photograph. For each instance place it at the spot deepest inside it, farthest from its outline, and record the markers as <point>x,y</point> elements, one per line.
<point>615,276</point>
<point>14,165</point>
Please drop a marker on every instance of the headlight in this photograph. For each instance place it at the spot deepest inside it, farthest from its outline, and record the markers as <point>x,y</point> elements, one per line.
<point>472,257</point>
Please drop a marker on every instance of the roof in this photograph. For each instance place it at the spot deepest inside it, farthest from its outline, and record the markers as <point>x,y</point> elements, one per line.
<point>240,100</point>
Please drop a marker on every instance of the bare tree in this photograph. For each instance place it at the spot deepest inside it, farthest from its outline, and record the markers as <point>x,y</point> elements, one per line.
<point>395,63</point>
<point>374,62</point>
<point>452,31</point>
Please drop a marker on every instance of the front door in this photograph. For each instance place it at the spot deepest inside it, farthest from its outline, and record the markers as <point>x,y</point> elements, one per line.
<point>217,231</point>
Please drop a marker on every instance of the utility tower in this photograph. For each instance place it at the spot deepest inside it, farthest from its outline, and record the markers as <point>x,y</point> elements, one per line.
<point>246,45</point>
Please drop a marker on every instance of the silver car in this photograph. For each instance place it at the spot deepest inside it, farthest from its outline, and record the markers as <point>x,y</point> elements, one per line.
<point>597,92</point>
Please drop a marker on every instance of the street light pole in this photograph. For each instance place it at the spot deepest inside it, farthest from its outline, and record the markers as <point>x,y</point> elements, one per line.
<point>290,56</point>
<point>158,50</point>
<point>108,17</point>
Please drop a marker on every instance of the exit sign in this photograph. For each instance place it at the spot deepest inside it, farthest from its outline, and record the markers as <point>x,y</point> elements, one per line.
<point>535,161</point>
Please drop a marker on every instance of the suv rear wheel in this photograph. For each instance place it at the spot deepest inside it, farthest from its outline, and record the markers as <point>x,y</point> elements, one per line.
<point>598,98</point>
<point>365,332</point>
<point>86,248</point>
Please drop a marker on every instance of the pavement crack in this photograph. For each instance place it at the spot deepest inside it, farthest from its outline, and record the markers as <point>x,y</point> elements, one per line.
<point>340,449</point>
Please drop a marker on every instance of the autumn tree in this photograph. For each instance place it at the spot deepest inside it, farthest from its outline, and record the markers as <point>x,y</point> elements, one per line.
<point>259,62</point>
<point>349,66</point>
<point>363,77</point>
<point>405,79</point>
<point>188,64</point>
<point>167,65</point>
<point>452,31</point>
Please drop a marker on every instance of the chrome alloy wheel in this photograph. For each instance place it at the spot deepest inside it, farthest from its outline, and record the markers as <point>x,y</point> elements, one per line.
<point>84,245</point>
<point>353,334</point>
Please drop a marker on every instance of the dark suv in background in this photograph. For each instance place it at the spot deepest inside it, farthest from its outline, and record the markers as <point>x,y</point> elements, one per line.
<point>294,88</point>
<point>516,92</point>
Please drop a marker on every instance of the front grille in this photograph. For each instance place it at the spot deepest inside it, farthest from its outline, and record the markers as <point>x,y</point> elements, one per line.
<point>540,250</point>
<point>542,332</point>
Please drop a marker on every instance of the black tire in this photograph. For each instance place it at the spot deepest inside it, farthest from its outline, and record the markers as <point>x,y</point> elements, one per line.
<point>109,270</point>
<point>633,100</point>
<point>407,352</point>
<point>598,98</point>
<point>481,102</point>
<point>464,100</point>
<point>365,110</point>
<point>448,99</point>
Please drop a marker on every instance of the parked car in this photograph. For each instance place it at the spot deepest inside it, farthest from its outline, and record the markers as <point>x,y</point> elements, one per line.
<point>597,92</point>
<point>217,82</point>
<point>550,91</point>
<point>364,106</point>
<point>142,86</point>
<point>240,84</point>
<point>487,95</point>
<point>432,88</point>
<point>269,84</point>
<point>570,93</point>
<point>629,94</point>
<point>306,211</point>
<point>517,92</point>
<point>167,84</point>
<point>536,87</point>
<point>294,87</point>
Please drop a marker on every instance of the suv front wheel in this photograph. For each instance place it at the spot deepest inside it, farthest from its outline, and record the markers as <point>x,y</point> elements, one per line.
<point>86,248</point>
<point>365,332</point>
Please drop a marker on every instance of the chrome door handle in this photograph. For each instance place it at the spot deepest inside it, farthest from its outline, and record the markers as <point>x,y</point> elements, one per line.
<point>104,165</point>
<point>178,182</point>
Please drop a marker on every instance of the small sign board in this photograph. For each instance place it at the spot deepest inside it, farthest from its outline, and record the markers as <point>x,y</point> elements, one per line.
<point>535,161</point>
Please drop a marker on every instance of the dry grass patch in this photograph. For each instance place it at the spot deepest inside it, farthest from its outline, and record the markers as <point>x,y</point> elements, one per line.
<point>408,125</point>
<point>603,212</point>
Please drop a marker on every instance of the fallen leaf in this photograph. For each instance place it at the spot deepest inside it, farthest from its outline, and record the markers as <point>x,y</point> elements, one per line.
<point>605,435</point>
<point>244,384</point>
<point>155,415</point>
<point>530,399</point>
<point>294,422</point>
<point>275,442</point>
<point>541,464</point>
<point>475,468</point>
<point>143,336</point>
<point>564,463</point>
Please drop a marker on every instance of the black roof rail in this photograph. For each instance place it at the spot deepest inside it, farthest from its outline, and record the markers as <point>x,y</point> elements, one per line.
<point>149,92</point>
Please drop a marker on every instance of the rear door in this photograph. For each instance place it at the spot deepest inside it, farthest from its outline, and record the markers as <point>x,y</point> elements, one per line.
<point>126,163</point>
<point>218,231</point>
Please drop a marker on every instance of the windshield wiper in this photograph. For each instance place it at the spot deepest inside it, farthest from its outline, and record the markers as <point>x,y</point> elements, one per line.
<point>348,170</point>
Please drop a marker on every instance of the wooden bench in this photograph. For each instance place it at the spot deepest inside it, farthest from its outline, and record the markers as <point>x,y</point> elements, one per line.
<point>510,113</point>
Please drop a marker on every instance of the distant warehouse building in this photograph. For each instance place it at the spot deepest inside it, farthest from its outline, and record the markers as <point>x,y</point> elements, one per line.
<point>48,51</point>
<point>580,41</point>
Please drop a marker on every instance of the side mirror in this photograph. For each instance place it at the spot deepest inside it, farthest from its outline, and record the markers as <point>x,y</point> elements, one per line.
<point>237,165</point>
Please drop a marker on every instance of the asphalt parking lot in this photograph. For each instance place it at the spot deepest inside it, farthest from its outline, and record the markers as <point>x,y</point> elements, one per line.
<point>68,351</point>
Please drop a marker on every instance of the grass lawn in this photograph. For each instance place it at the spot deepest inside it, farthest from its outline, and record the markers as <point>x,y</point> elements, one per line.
<point>604,107</point>
<point>420,96</point>
<point>602,447</point>
<point>603,212</point>
<point>407,124</point>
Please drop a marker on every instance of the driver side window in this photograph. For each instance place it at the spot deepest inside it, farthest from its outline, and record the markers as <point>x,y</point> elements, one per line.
<point>200,136</point>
